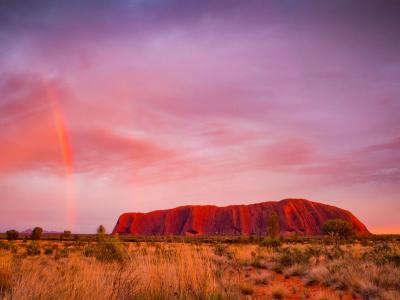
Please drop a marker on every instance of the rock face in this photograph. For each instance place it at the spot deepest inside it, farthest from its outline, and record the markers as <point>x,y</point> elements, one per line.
<point>295,215</point>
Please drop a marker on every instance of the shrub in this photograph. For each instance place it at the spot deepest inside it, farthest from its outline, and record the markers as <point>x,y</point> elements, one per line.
<point>270,243</point>
<point>12,235</point>
<point>365,242</point>
<point>293,261</point>
<point>32,249</point>
<point>110,250</point>
<point>36,233</point>
<point>383,253</point>
<point>257,260</point>
<point>62,253</point>
<point>288,257</point>
<point>338,228</point>
<point>101,232</point>
<point>314,251</point>
<point>296,270</point>
<point>89,250</point>
<point>223,250</point>
<point>65,235</point>
<point>4,245</point>
<point>48,251</point>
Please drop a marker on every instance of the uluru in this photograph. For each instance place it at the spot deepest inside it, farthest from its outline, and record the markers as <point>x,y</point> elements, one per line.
<point>299,216</point>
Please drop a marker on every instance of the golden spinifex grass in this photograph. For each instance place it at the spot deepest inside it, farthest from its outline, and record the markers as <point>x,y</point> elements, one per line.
<point>148,272</point>
<point>111,269</point>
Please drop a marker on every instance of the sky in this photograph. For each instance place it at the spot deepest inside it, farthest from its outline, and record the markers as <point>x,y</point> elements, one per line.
<point>115,106</point>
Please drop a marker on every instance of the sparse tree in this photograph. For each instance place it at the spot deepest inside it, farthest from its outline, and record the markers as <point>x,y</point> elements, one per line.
<point>66,235</point>
<point>338,228</point>
<point>36,233</point>
<point>101,231</point>
<point>273,228</point>
<point>12,235</point>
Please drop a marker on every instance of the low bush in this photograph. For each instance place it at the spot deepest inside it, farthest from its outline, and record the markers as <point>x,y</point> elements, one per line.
<point>223,250</point>
<point>296,270</point>
<point>111,250</point>
<point>4,245</point>
<point>12,235</point>
<point>271,243</point>
<point>383,253</point>
<point>33,249</point>
<point>288,257</point>
<point>257,260</point>
<point>48,251</point>
<point>106,250</point>
<point>62,253</point>
<point>89,250</point>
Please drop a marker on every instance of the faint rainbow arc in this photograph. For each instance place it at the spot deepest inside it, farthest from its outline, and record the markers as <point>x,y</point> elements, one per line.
<point>66,152</point>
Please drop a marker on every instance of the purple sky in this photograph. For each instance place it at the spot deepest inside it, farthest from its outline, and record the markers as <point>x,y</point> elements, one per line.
<point>142,105</point>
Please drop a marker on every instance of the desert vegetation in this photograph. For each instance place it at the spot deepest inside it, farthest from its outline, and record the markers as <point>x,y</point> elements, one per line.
<point>108,267</point>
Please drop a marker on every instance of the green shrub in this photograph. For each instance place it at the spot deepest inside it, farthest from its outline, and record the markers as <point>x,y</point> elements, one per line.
<point>106,250</point>
<point>383,253</point>
<point>48,251</point>
<point>110,250</point>
<point>313,251</point>
<point>66,235</point>
<point>334,253</point>
<point>101,233</point>
<point>12,235</point>
<point>32,249</point>
<point>89,250</point>
<point>257,261</point>
<point>289,257</point>
<point>271,243</point>
<point>338,228</point>
<point>365,242</point>
<point>61,253</point>
<point>223,250</point>
<point>5,245</point>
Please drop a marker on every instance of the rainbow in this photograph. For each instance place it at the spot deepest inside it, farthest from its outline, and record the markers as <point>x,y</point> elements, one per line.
<point>66,152</point>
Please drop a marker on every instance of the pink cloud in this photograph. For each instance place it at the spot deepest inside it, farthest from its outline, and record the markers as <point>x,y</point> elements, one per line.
<point>260,99</point>
<point>286,154</point>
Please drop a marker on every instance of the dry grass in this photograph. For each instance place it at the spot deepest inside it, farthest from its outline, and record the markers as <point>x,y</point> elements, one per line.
<point>116,270</point>
<point>149,272</point>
